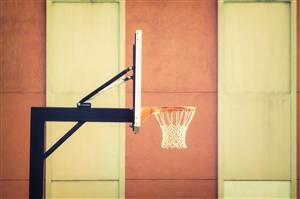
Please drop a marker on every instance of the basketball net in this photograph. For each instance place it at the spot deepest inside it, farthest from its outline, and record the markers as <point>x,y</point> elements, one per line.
<point>174,122</point>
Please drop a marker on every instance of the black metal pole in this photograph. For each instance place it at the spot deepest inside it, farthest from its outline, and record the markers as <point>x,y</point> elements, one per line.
<point>37,147</point>
<point>63,139</point>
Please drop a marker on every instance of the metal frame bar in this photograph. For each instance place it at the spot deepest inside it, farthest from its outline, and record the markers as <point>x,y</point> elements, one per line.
<point>41,115</point>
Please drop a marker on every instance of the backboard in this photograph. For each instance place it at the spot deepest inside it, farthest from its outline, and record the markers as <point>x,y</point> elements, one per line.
<point>137,80</point>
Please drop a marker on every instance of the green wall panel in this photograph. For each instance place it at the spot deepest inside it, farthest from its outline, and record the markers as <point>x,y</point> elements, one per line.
<point>85,48</point>
<point>256,86</point>
<point>257,99</point>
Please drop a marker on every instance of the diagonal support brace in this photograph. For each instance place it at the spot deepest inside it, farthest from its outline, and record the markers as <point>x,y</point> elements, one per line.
<point>63,139</point>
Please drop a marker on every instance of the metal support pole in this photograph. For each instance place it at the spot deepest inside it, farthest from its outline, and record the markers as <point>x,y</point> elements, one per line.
<point>37,147</point>
<point>41,115</point>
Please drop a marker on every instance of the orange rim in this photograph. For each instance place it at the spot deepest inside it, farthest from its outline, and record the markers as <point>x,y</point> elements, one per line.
<point>171,108</point>
<point>147,111</point>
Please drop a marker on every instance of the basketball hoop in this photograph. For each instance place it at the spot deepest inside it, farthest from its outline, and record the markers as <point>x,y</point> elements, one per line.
<point>174,122</point>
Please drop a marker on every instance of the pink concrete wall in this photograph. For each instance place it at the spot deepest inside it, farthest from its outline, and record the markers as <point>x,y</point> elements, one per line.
<point>22,85</point>
<point>179,68</point>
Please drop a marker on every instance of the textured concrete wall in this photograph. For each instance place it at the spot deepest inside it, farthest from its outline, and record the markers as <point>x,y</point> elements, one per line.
<point>179,68</point>
<point>22,85</point>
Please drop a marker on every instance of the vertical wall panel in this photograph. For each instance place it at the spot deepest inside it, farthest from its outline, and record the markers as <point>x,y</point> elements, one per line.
<point>256,100</point>
<point>256,90</point>
<point>83,51</point>
<point>179,68</point>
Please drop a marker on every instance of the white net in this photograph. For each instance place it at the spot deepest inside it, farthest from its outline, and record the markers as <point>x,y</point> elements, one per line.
<point>174,124</point>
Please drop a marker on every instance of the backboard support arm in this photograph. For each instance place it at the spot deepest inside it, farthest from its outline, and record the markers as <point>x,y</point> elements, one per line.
<point>81,114</point>
<point>103,86</point>
<point>41,115</point>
